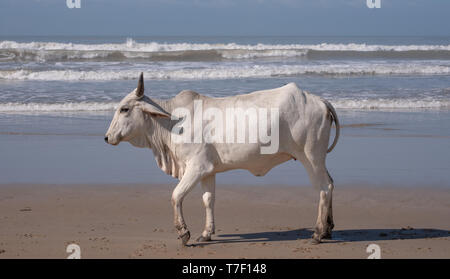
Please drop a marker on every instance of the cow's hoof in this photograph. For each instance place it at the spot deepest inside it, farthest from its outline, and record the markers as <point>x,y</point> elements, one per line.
<point>315,241</point>
<point>185,238</point>
<point>203,238</point>
<point>316,238</point>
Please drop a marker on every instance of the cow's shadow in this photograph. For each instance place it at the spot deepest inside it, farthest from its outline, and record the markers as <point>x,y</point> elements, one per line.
<point>338,235</point>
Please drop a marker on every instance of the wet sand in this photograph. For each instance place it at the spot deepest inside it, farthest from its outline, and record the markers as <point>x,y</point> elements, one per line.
<point>135,221</point>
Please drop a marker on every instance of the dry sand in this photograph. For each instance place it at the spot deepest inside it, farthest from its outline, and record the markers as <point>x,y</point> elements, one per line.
<point>135,221</point>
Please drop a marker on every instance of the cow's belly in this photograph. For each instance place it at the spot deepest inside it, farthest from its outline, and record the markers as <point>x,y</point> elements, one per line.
<point>266,163</point>
<point>257,164</point>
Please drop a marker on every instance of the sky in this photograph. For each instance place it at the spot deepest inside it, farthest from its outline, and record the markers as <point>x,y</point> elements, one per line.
<point>225,18</point>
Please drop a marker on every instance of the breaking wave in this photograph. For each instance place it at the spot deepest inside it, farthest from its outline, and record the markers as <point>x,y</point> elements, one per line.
<point>232,72</point>
<point>366,104</point>
<point>59,107</point>
<point>380,104</point>
<point>153,51</point>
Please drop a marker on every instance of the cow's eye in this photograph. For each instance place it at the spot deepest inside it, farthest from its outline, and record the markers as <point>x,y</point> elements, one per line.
<point>124,110</point>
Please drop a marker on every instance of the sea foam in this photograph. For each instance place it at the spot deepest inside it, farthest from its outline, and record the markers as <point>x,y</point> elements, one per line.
<point>363,104</point>
<point>233,72</point>
<point>55,51</point>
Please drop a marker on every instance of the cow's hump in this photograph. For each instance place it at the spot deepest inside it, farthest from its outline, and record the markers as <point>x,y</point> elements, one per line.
<point>188,95</point>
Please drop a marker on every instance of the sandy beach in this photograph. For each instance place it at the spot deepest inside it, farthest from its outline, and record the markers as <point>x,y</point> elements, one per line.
<point>135,221</point>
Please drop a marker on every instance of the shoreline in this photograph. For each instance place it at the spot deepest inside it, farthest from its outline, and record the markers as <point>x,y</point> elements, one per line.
<point>401,149</point>
<point>263,221</point>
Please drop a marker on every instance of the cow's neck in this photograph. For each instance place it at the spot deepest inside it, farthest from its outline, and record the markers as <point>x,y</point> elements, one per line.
<point>159,141</point>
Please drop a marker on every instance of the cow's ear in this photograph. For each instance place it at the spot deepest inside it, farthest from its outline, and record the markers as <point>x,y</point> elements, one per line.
<point>153,110</point>
<point>140,87</point>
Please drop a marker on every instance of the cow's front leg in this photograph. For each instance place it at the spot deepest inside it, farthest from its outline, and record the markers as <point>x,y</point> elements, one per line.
<point>190,179</point>
<point>324,223</point>
<point>209,188</point>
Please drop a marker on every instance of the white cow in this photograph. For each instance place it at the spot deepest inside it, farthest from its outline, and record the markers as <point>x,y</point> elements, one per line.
<point>304,126</point>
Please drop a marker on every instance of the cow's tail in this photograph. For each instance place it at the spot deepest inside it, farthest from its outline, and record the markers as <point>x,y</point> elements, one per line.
<point>334,119</point>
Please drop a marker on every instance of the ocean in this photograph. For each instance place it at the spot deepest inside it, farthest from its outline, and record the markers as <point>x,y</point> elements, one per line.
<point>58,94</point>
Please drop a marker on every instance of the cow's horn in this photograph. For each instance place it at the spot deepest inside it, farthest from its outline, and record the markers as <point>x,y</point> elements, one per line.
<point>140,87</point>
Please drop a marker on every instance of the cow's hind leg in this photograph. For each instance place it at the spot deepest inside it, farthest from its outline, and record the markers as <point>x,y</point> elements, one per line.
<point>330,221</point>
<point>186,184</point>
<point>209,188</point>
<point>321,180</point>
<point>324,224</point>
